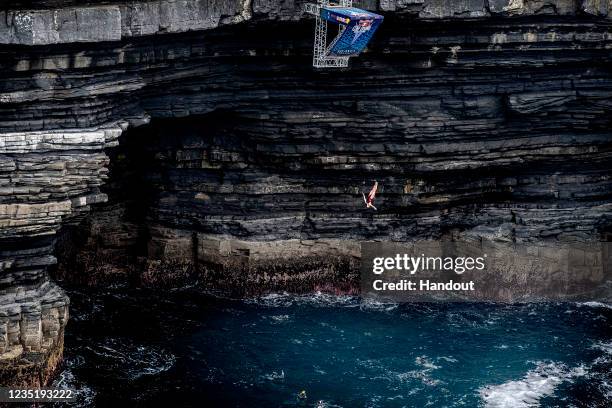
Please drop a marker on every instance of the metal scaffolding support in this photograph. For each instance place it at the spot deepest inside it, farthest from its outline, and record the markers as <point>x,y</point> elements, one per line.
<point>320,58</point>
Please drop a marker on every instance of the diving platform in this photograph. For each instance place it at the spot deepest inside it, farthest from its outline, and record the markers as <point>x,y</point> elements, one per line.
<point>355,30</point>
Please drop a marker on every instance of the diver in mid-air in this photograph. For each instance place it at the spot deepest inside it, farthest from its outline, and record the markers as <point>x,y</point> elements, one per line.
<point>371,195</point>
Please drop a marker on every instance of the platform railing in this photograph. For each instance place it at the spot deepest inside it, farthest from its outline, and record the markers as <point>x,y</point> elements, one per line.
<point>321,58</point>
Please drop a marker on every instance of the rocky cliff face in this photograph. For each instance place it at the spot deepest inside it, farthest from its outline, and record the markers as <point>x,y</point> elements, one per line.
<point>480,119</point>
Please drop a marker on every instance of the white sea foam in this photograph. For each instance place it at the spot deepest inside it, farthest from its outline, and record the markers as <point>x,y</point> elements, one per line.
<point>378,306</point>
<point>325,404</point>
<point>596,305</point>
<point>321,299</point>
<point>85,395</point>
<point>422,374</point>
<point>285,299</point>
<point>527,392</point>
<point>274,376</point>
<point>319,370</point>
<point>131,360</point>
<point>278,319</point>
<point>606,389</point>
<point>603,346</point>
<point>425,362</point>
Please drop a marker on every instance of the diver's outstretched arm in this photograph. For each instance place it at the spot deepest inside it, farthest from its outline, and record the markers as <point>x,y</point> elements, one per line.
<point>373,207</point>
<point>364,199</point>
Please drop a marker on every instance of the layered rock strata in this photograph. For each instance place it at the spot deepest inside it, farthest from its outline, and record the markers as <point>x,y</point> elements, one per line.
<point>47,178</point>
<point>485,120</point>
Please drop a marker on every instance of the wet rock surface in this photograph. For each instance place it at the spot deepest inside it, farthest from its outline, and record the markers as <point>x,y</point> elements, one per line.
<point>478,119</point>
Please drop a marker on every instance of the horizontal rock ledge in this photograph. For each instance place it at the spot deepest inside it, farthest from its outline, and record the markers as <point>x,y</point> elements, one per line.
<point>121,20</point>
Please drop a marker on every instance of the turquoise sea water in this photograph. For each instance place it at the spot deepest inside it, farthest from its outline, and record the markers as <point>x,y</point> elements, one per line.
<point>186,349</point>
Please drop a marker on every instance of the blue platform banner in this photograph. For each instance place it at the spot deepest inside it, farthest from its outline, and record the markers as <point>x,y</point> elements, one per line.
<point>360,27</point>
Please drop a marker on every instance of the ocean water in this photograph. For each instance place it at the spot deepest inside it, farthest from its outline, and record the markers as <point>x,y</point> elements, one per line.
<point>187,349</point>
